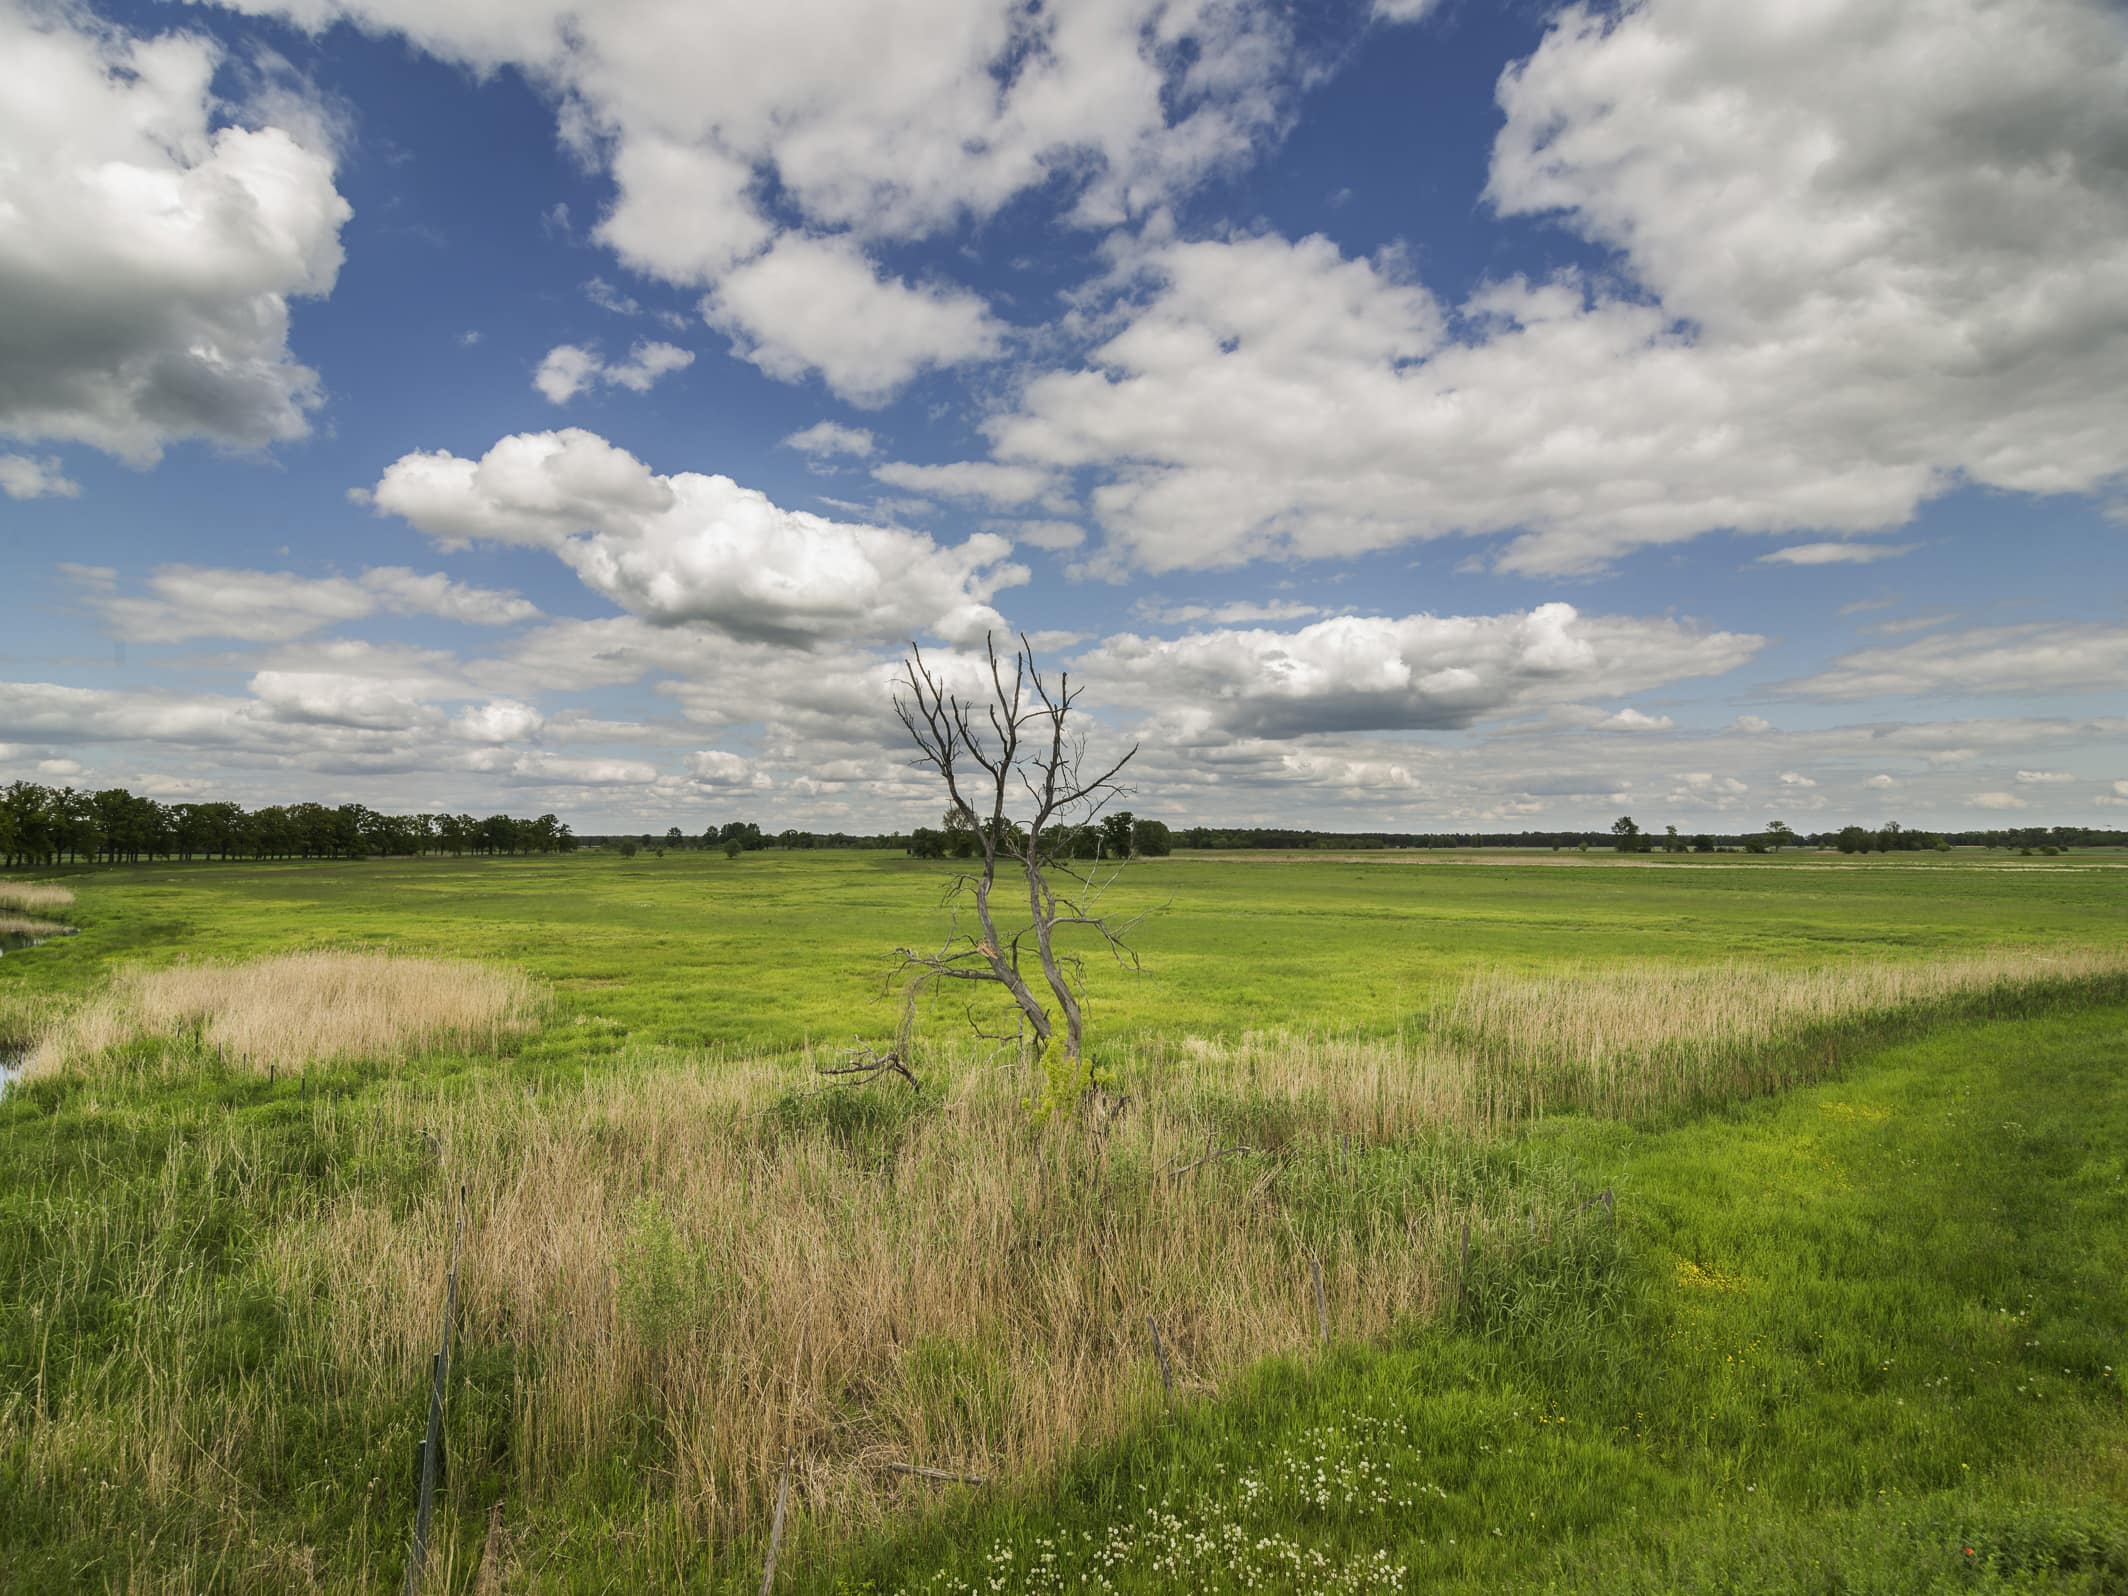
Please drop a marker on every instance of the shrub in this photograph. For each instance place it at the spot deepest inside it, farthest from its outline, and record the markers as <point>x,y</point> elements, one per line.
<point>663,1281</point>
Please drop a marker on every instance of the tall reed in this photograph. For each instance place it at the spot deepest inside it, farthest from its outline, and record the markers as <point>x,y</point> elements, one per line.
<point>298,1008</point>
<point>1647,1039</point>
<point>34,897</point>
<point>16,925</point>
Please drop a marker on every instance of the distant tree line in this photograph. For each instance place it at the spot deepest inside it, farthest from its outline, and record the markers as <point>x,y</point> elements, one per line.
<point>1627,837</point>
<point>1891,837</point>
<point>740,836</point>
<point>1289,837</point>
<point>46,825</point>
<point>1121,835</point>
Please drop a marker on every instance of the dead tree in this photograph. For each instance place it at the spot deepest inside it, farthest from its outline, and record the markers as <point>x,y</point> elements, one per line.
<point>1018,746</point>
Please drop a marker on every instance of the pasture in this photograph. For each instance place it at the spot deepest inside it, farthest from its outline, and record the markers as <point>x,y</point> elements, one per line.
<point>774,949</point>
<point>1847,1318</point>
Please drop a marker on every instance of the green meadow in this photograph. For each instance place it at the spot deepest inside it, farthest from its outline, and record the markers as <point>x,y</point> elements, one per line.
<point>773,949</point>
<point>1543,1222</point>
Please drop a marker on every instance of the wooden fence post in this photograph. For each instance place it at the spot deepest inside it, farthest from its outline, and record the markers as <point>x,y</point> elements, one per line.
<point>432,1444</point>
<point>1463,1266</point>
<point>775,1530</point>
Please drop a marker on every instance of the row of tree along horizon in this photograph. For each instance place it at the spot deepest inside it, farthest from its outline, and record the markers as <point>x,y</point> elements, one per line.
<point>46,825</point>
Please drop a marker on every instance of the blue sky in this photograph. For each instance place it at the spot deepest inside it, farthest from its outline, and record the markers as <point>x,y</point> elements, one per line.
<point>1429,416</point>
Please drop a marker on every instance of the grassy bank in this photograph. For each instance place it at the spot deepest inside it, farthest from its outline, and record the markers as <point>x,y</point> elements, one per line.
<point>1863,1338</point>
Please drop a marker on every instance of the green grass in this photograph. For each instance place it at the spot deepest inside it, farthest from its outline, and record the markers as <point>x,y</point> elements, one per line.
<point>1833,1341</point>
<point>1828,1340</point>
<point>775,948</point>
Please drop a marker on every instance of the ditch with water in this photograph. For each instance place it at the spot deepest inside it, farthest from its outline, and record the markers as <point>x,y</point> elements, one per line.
<point>11,1057</point>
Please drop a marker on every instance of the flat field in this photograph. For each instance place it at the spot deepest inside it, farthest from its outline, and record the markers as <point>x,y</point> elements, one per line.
<point>773,949</point>
<point>1471,1222</point>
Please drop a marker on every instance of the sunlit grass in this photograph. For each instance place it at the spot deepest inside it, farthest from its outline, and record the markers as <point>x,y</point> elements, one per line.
<point>16,925</point>
<point>773,950</point>
<point>298,1009</point>
<point>34,897</point>
<point>228,1194</point>
<point>1860,1339</point>
<point>681,1271</point>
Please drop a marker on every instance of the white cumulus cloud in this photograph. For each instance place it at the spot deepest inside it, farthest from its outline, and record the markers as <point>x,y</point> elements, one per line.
<point>571,369</point>
<point>1633,720</point>
<point>1874,249</point>
<point>824,440</point>
<point>817,305</point>
<point>696,549</point>
<point>716,770</point>
<point>149,247</point>
<point>867,123</point>
<point>1351,673</point>
<point>24,477</point>
<point>1837,553</point>
<point>500,720</point>
<point>191,601</point>
<point>1002,486</point>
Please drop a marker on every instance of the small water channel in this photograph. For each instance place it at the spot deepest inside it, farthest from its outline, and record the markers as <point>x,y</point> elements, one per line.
<point>11,1058</point>
<point>18,941</point>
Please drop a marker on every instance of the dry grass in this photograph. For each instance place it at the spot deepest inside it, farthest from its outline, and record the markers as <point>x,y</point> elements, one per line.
<point>1636,1040</point>
<point>688,1265</point>
<point>15,925</point>
<point>867,1277</point>
<point>301,1008</point>
<point>34,897</point>
<point>695,1265</point>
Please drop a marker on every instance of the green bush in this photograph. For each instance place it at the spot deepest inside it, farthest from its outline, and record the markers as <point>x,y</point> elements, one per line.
<point>665,1283</point>
<point>868,1123</point>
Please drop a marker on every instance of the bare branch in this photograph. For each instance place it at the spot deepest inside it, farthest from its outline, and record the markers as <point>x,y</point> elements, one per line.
<point>1198,1163</point>
<point>943,1475</point>
<point>865,1065</point>
<point>1022,738</point>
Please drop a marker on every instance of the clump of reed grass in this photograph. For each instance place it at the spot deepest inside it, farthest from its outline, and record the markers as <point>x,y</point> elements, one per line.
<point>1648,1039</point>
<point>15,925</point>
<point>34,897</point>
<point>298,1008</point>
<point>699,1267</point>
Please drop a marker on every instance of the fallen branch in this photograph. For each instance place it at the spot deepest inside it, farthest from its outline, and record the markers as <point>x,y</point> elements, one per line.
<point>1224,1152</point>
<point>868,1064</point>
<point>945,1476</point>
